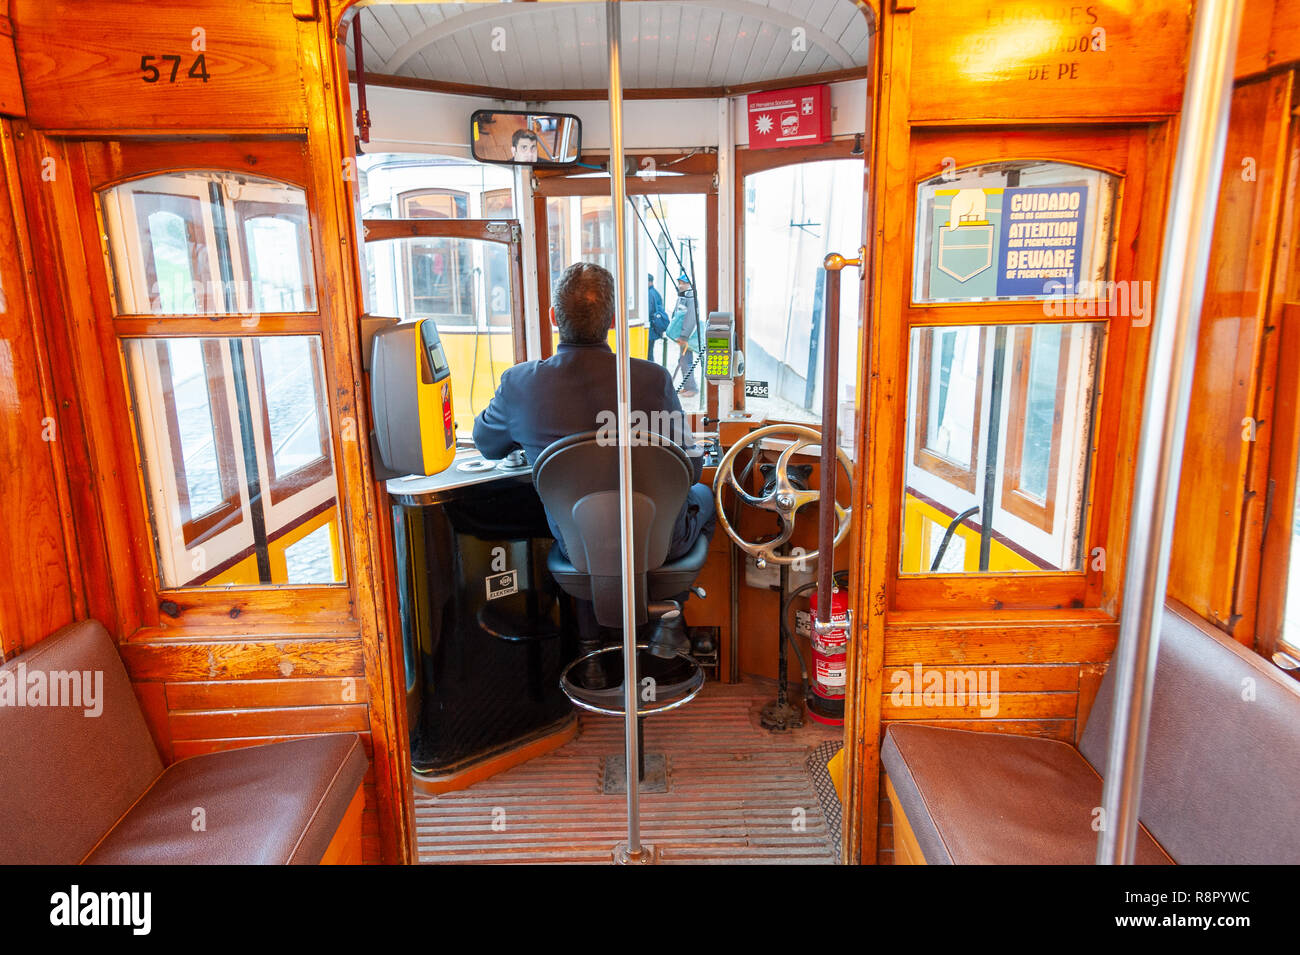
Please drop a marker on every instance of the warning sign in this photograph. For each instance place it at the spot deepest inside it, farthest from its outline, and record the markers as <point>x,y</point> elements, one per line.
<point>1018,241</point>
<point>1042,238</point>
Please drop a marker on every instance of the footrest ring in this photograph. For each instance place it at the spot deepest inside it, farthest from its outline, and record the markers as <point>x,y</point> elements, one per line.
<point>668,696</point>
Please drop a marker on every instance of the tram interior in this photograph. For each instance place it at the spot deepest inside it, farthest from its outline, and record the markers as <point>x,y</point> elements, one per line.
<point>906,314</point>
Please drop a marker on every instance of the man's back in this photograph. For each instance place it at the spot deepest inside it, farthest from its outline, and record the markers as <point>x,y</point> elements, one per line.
<point>575,390</point>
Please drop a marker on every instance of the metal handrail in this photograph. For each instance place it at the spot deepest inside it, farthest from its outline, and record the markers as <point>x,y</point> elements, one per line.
<point>1189,225</point>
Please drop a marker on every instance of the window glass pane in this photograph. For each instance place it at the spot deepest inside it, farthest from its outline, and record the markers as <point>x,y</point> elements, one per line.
<point>1040,409</point>
<point>665,237</point>
<point>954,368</point>
<point>385,179</point>
<point>237,456</point>
<point>794,216</point>
<point>311,559</point>
<point>289,373</point>
<point>434,204</point>
<point>1020,229</point>
<point>1023,397</point>
<point>195,430</point>
<point>208,243</point>
<point>173,269</point>
<point>275,264</point>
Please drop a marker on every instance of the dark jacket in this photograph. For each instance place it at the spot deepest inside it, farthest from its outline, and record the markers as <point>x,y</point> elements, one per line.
<point>575,390</point>
<point>658,317</point>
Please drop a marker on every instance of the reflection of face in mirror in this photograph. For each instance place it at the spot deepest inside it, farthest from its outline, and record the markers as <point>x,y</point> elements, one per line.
<point>999,432</point>
<point>525,139</point>
<point>523,146</point>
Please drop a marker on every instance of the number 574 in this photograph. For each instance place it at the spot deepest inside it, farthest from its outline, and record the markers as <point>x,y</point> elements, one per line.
<point>171,64</point>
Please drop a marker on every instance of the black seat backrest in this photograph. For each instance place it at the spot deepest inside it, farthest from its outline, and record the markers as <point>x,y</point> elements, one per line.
<point>577,480</point>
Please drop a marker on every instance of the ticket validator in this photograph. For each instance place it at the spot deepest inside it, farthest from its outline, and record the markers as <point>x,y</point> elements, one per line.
<point>410,399</point>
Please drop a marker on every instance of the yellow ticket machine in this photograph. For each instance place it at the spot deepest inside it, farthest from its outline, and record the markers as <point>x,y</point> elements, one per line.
<point>410,399</point>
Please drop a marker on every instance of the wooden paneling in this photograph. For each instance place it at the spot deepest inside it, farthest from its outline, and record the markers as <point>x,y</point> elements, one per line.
<point>288,720</point>
<point>250,659</point>
<point>11,90</point>
<point>39,591</point>
<point>1285,45</point>
<point>1039,60</point>
<point>1082,637</point>
<point>81,64</point>
<point>1222,486</point>
<point>239,694</point>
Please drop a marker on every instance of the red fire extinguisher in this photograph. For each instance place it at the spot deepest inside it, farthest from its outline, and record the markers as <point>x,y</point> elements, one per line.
<point>830,654</point>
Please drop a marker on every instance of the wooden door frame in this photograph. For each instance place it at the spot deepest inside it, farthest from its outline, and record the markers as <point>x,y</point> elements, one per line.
<point>882,384</point>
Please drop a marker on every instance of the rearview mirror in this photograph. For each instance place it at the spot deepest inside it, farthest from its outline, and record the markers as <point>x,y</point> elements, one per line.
<point>518,138</point>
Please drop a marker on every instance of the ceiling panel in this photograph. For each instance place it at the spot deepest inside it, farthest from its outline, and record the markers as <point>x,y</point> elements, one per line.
<point>561,45</point>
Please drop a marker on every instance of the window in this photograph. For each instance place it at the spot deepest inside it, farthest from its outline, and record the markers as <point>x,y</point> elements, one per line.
<point>235,451</point>
<point>275,250</point>
<point>233,430</point>
<point>1013,230</point>
<point>191,373</point>
<point>1034,423</point>
<point>498,204</point>
<point>171,227</point>
<point>1023,399</point>
<point>293,429</point>
<point>949,396</point>
<point>793,216</point>
<point>205,243</point>
<point>433,204</point>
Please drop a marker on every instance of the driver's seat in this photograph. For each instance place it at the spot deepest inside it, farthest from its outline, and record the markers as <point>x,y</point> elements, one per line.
<point>577,480</point>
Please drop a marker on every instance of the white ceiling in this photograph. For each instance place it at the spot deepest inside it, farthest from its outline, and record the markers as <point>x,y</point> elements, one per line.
<point>666,43</point>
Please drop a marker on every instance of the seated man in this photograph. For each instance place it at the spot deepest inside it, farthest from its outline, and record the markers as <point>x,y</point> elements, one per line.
<point>539,402</point>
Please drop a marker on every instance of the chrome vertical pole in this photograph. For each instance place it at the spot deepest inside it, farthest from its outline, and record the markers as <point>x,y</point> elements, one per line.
<point>632,851</point>
<point>1189,224</point>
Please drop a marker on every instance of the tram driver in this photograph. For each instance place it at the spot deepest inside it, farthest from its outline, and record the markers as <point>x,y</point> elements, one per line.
<point>575,390</point>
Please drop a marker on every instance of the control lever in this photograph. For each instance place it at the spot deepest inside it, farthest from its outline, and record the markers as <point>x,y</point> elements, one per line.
<point>699,592</point>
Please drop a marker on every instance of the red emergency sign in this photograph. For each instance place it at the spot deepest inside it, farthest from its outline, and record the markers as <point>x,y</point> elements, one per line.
<point>795,117</point>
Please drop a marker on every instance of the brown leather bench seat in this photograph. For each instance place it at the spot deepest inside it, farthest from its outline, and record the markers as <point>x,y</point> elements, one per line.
<point>1221,773</point>
<point>80,787</point>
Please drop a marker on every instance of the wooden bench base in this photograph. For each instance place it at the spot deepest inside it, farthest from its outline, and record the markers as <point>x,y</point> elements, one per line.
<point>345,847</point>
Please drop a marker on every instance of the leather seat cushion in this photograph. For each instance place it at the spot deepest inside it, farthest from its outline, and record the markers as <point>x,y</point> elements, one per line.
<point>992,799</point>
<point>66,775</point>
<point>275,804</point>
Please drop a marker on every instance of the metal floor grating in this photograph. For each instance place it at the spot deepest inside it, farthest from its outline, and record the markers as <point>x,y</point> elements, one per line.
<point>736,795</point>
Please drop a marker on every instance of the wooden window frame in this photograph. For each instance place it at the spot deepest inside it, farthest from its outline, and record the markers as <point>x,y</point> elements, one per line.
<point>1015,500</point>
<point>1123,151</point>
<point>136,579</point>
<point>939,466</point>
<point>196,529</point>
<point>283,486</point>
